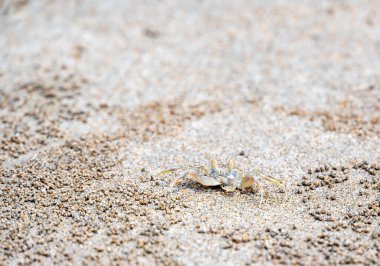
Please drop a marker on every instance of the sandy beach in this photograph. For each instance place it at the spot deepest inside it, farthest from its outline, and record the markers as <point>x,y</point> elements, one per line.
<point>98,97</point>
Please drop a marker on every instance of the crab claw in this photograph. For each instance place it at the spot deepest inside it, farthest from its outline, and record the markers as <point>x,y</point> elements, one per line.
<point>246,182</point>
<point>204,180</point>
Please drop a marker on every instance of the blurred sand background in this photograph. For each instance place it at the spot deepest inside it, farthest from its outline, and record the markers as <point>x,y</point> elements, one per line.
<point>96,97</point>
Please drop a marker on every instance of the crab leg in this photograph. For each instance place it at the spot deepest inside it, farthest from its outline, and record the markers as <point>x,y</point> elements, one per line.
<point>261,189</point>
<point>167,171</point>
<point>275,181</point>
<point>175,181</point>
<point>249,181</point>
<point>229,188</point>
<point>270,179</point>
<point>204,180</point>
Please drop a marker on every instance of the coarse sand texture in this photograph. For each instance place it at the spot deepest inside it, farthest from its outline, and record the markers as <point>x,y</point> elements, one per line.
<point>98,97</point>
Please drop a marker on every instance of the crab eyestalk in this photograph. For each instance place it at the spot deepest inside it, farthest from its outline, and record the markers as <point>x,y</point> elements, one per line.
<point>230,165</point>
<point>214,166</point>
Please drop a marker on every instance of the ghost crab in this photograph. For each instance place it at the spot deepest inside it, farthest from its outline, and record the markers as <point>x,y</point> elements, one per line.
<point>227,176</point>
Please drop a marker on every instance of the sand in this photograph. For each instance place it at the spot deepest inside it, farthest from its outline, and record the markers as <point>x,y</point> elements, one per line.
<point>97,97</point>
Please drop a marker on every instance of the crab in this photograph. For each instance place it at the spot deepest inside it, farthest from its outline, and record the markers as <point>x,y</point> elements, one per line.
<point>227,176</point>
